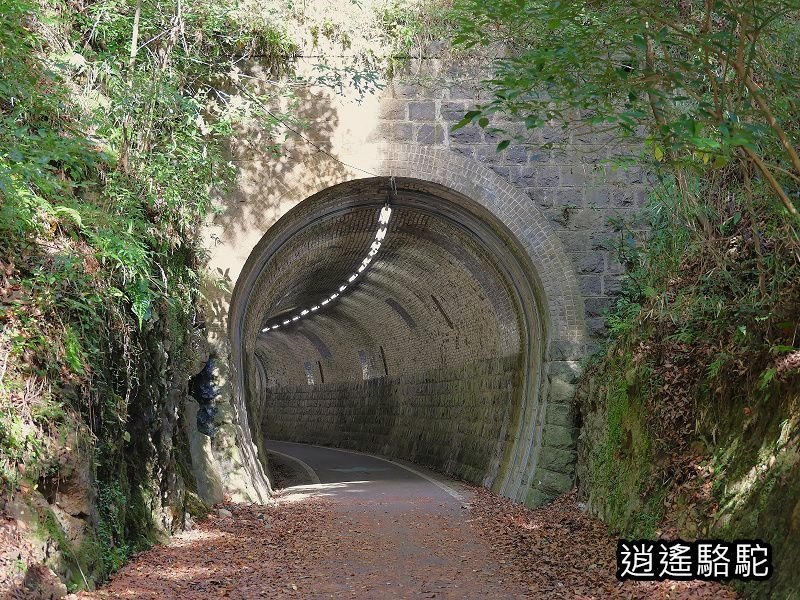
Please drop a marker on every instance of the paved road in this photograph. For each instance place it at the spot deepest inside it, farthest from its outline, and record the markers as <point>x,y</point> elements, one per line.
<point>397,531</point>
<point>342,474</point>
<point>382,531</point>
<point>364,528</point>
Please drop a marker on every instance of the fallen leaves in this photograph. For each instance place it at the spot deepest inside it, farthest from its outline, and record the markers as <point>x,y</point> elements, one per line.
<point>256,552</point>
<point>558,551</point>
<point>392,548</point>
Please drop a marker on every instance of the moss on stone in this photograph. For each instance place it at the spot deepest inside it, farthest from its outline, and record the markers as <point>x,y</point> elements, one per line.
<point>756,466</point>
<point>620,457</point>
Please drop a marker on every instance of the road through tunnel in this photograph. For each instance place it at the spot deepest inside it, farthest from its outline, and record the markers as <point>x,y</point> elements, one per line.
<point>400,317</point>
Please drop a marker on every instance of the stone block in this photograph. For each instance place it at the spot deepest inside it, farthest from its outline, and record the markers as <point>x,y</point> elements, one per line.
<point>421,111</point>
<point>599,197</point>
<point>573,176</point>
<point>558,218</point>
<point>569,197</point>
<point>596,327</point>
<point>591,285</point>
<point>500,170</point>
<point>554,135</point>
<point>575,241</point>
<point>494,137</point>
<point>566,370</point>
<point>552,482</point>
<point>612,285</point>
<point>516,154</point>
<point>537,497</point>
<point>588,219</point>
<point>462,149</point>
<point>559,437</point>
<point>463,91</point>
<point>557,460</point>
<point>392,110</point>
<point>389,131</point>
<point>560,350</point>
<point>399,90</point>
<point>588,262</point>
<point>613,266</point>
<point>453,111</point>
<point>471,134</point>
<point>542,198</point>
<point>561,391</point>
<point>622,198</point>
<point>548,177</point>
<point>601,240</point>
<point>430,134</point>
<point>596,307</point>
<point>523,176</point>
<point>487,153</point>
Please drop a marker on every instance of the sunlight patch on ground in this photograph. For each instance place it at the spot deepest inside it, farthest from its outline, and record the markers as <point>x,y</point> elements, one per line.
<point>298,493</point>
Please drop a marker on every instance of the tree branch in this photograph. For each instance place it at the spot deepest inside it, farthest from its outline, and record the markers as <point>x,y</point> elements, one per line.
<point>774,184</point>
<point>135,34</point>
<point>758,97</point>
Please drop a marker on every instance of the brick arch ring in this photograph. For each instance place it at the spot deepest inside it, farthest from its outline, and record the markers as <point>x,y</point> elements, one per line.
<point>539,463</point>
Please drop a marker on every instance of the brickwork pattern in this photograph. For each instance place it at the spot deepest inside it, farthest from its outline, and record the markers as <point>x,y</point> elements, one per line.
<point>429,273</point>
<point>444,305</point>
<point>449,419</point>
<point>569,182</point>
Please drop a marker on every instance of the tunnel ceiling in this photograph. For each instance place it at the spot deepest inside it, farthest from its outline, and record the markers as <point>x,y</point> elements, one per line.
<point>434,296</point>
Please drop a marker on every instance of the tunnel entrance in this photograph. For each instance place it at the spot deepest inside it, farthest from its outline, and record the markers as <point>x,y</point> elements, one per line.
<point>398,317</point>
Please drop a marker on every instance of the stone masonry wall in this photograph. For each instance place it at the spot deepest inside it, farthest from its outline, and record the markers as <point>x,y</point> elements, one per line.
<point>453,420</point>
<point>562,172</point>
<point>555,201</point>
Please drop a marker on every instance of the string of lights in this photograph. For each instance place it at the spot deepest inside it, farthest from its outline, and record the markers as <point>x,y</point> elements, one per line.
<point>380,236</point>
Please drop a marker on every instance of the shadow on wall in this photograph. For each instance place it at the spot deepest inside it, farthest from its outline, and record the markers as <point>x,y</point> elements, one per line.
<point>266,185</point>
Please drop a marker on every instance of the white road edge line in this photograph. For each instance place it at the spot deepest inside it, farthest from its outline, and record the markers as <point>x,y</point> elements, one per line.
<point>311,472</point>
<point>442,486</point>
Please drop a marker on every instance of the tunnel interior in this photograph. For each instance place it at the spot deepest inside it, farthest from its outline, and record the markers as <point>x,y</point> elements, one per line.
<point>411,331</point>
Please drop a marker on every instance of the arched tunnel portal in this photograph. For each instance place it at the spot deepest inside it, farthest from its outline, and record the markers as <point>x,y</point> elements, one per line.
<point>439,351</point>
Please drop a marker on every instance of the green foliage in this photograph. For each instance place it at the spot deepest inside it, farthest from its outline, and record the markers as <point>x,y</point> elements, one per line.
<point>410,27</point>
<point>623,480</point>
<point>108,162</point>
<point>112,538</point>
<point>112,159</point>
<point>696,441</point>
<point>713,313</point>
<point>623,319</point>
<point>705,84</point>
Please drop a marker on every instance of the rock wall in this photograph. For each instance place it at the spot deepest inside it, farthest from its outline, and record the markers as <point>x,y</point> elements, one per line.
<point>736,480</point>
<point>126,483</point>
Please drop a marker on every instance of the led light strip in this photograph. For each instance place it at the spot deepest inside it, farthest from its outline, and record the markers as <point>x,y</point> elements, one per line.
<point>380,236</point>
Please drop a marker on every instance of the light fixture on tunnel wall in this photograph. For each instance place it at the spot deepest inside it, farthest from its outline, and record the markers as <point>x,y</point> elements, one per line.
<point>380,236</point>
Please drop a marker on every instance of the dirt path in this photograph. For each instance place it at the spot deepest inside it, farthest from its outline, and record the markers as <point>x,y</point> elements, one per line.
<point>382,532</point>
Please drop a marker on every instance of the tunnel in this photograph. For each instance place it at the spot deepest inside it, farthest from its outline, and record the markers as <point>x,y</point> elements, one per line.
<point>400,317</point>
